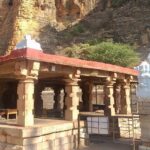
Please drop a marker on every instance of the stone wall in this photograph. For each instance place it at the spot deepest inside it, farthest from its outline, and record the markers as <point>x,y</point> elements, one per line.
<point>45,137</point>
<point>129,127</point>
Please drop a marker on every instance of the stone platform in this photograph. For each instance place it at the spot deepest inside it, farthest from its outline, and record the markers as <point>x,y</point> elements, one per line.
<point>46,134</point>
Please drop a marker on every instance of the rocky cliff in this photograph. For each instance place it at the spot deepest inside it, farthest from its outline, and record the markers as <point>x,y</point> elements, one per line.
<point>58,23</point>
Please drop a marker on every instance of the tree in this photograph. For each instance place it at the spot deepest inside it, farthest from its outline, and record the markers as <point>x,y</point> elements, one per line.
<point>107,52</point>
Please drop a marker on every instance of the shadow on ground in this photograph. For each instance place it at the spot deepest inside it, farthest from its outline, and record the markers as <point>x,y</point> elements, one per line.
<point>107,146</point>
<point>106,143</point>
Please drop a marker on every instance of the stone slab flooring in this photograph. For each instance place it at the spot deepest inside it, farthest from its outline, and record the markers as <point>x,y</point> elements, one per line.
<point>107,146</point>
<point>106,143</point>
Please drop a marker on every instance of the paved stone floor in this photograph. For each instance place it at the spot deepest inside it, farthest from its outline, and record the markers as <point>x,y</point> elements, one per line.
<point>107,146</point>
<point>106,143</point>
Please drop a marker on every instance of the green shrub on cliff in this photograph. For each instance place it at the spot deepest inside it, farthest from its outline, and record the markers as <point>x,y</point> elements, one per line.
<point>114,53</point>
<point>107,52</point>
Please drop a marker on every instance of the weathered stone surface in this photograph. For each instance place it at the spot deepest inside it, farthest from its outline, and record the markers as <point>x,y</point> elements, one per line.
<point>109,98</point>
<point>25,103</point>
<point>36,16</point>
<point>31,139</point>
<point>72,101</point>
<point>42,19</point>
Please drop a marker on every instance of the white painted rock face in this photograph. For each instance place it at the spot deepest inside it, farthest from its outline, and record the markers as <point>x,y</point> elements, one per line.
<point>143,88</point>
<point>27,42</point>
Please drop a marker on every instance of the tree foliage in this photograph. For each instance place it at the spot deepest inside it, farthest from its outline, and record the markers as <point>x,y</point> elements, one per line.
<point>107,52</point>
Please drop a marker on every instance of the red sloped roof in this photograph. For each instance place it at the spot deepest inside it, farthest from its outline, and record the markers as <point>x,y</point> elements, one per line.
<point>28,53</point>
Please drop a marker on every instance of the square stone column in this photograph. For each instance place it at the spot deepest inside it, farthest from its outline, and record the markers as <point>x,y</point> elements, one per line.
<point>117,97</point>
<point>87,95</point>
<point>71,101</point>
<point>57,101</point>
<point>90,94</point>
<point>109,98</point>
<point>126,98</point>
<point>57,98</point>
<point>25,102</point>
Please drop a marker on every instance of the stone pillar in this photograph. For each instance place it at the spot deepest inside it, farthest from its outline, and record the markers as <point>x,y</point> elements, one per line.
<point>126,100</point>
<point>57,98</point>
<point>109,98</point>
<point>90,84</point>
<point>57,101</point>
<point>38,104</point>
<point>26,71</point>
<point>117,97</point>
<point>87,96</point>
<point>25,102</point>
<point>72,100</point>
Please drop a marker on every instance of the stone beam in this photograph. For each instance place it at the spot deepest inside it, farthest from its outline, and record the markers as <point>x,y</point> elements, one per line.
<point>7,68</point>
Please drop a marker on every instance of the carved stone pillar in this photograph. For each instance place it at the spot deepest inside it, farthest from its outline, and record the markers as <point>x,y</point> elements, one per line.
<point>25,102</point>
<point>57,101</point>
<point>126,101</point>
<point>117,97</point>
<point>87,96</point>
<point>90,89</point>
<point>38,104</point>
<point>57,98</point>
<point>109,98</point>
<point>72,100</point>
<point>27,73</point>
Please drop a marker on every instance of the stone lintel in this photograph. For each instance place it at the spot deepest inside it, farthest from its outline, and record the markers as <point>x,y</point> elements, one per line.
<point>7,68</point>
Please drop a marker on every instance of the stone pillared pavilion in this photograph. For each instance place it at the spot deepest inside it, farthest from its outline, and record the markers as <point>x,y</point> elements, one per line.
<point>25,73</point>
